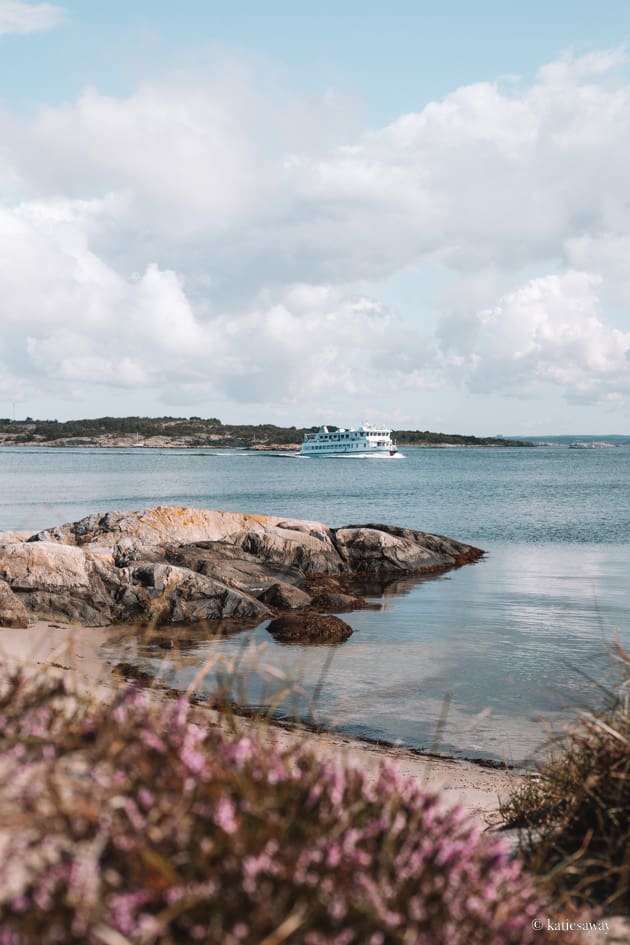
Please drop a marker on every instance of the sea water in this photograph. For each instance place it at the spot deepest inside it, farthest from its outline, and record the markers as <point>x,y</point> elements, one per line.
<point>480,661</point>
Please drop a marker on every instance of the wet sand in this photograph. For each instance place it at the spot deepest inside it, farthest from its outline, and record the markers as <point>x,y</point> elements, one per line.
<point>75,649</point>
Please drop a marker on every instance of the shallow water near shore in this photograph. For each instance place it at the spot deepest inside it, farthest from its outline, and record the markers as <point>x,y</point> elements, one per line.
<point>488,647</point>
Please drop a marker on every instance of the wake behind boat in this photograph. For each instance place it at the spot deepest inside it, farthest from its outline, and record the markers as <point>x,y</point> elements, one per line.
<point>366,440</point>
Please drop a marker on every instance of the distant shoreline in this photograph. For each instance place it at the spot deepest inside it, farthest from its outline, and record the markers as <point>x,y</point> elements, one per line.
<point>198,433</point>
<point>254,448</point>
<point>255,445</point>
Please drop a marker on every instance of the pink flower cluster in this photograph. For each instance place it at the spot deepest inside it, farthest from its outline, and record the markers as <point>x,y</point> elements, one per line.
<point>142,822</point>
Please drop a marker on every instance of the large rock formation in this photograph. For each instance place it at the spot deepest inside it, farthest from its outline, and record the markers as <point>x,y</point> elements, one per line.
<point>66,582</point>
<point>170,565</point>
<point>267,539</point>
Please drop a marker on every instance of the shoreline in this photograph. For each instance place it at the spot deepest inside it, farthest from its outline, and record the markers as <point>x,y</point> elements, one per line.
<point>74,650</point>
<point>245,447</point>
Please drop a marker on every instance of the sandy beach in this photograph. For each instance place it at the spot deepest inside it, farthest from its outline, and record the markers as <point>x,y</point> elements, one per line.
<point>75,649</point>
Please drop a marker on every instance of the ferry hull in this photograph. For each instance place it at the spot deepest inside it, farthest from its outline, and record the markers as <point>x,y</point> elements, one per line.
<point>359,454</point>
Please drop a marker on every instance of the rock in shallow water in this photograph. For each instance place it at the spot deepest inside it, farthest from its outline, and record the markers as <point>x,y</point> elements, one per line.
<point>309,628</point>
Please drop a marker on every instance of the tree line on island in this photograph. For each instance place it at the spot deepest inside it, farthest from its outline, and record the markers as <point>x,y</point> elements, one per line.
<point>200,432</point>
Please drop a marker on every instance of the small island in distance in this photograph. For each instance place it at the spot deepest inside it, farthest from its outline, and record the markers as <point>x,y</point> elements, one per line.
<point>199,433</point>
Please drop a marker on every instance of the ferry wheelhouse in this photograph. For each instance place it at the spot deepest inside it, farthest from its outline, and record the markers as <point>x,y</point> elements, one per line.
<point>337,441</point>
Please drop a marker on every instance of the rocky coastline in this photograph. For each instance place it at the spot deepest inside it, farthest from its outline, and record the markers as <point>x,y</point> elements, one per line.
<point>170,566</point>
<point>197,433</point>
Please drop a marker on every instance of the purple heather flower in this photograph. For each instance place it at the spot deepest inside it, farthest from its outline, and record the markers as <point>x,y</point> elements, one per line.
<point>146,798</point>
<point>224,815</point>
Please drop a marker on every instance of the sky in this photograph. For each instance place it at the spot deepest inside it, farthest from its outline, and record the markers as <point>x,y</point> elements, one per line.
<point>323,212</point>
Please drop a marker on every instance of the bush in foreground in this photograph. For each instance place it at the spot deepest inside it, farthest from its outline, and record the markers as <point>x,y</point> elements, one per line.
<point>575,816</point>
<point>134,823</point>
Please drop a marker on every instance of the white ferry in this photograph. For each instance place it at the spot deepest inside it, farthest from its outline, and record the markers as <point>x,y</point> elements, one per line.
<point>337,441</point>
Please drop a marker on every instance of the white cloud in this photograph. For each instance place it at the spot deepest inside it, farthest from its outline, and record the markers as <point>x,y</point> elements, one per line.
<point>608,254</point>
<point>204,234</point>
<point>548,330</point>
<point>82,322</point>
<point>19,17</point>
<point>211,163</point>
<point>570,67</point>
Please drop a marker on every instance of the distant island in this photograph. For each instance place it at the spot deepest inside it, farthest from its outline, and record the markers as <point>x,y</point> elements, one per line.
<point>197,432</point>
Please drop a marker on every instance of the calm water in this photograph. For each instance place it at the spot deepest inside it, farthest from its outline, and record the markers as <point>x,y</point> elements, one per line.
<point>492,646</point>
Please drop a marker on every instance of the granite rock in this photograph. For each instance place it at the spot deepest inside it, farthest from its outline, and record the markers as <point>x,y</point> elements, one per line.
<point>57,582</point>
<point>309,628</point>
<point>269,539</point>
<point>170,565</point>
<point>13,613</point>
<point>336,603</point>
<point>388,548</point>
<point>285,597</point>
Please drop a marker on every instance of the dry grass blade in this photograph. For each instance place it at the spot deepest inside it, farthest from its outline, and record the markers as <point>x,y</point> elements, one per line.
<point>593,721</point>
<point>290,925</point>
<point>575,816</point>
<point>109,936</point>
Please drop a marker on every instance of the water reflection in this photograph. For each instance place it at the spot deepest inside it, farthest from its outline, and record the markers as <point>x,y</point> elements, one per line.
<point>508,641</point>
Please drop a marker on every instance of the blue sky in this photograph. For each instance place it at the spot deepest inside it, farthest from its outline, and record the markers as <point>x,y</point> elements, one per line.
<point>405,213</point>
<point>395,56</point>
